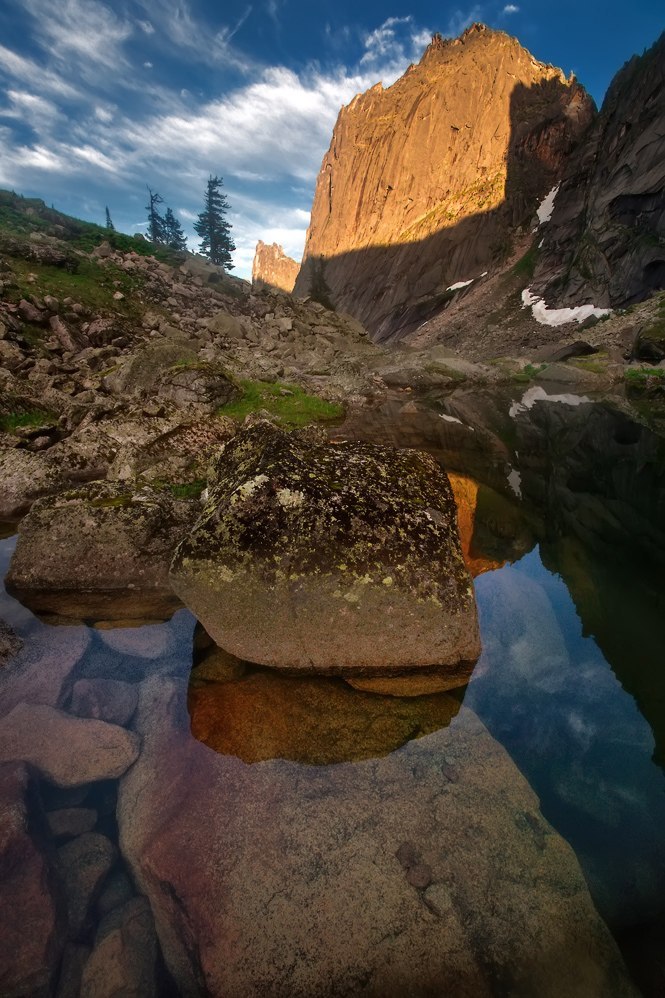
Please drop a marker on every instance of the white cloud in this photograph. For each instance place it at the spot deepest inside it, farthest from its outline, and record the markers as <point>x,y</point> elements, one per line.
<point>510,8</point>
<point>146,27</point>
<point>85,29</point>
<point>26,70</point>
<point>147,65</point>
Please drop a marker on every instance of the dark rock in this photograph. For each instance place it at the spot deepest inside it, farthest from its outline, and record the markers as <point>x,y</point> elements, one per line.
<point>31,932</point>
<point>322,562</point>
<point>10,643</point>
<point>83,864</point>
<point>605,241</point>
<point>202,386</point>
<point>71,972</point>
<point>559,352</point>
<point>71,821</point>
<point>117,891</point>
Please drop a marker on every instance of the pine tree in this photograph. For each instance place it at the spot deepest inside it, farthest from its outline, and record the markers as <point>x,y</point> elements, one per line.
<point>211,225</point>
<point>109,224</point>
<point>319,289</point>
<point>173,234</point>
<point>155,220</point>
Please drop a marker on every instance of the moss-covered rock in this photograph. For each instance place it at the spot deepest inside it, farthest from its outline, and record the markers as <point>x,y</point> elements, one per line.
<point>315,557</point>
<point>99,552</point>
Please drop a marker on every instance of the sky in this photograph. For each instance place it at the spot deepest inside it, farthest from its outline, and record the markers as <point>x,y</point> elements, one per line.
<point>98,100</point>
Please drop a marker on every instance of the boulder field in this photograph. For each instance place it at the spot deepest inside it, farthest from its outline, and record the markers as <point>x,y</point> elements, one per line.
<point>317,557</point>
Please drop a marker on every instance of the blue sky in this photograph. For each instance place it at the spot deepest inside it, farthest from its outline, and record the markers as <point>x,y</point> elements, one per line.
<point>99,99</point>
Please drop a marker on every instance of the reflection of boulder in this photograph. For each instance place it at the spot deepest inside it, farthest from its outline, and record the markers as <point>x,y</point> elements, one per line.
<point>328,558</point>
<point>315,720</point>
<point>369,877</point>
<point>100,552</point>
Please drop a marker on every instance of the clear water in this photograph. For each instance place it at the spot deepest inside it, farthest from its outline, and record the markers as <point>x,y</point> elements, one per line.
<point>566,537</point>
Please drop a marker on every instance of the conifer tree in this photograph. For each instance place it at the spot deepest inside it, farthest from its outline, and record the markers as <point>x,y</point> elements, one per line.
<point>173,233</point>
<point>212,227</point>
<point>155,220</point>
<point>109,224</point>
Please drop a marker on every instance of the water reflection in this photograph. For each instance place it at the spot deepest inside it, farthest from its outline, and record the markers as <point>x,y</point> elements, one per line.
<point>318,721</point>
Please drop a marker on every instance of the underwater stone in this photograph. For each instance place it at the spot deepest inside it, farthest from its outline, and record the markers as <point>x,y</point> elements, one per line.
<point>328,558</point>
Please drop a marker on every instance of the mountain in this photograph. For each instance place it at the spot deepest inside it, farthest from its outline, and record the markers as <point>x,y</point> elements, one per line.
<point>605,242</point>
<point>273,269</point>
<point>425,183</point>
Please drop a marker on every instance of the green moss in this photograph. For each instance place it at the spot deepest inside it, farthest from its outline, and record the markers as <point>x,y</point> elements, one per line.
<point>592,365</point>
<point>187,490</point>
<point>15,420</point>
<point>529,372</point>
<point>656,331</point>
<point>526,266</point>
<point>289,404</point>
<point>640,375</point>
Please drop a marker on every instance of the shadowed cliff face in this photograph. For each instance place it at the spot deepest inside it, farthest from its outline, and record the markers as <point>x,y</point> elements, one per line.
<point>424,182</point>
<point>606,240</point>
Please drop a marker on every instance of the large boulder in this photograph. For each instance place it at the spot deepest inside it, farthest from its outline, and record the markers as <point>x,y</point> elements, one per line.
<point>101,552</point>
<point>201,385</point>
<point>25,477</point>
<point>316,557</point>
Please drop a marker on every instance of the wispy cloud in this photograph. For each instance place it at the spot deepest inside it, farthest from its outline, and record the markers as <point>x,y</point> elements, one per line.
<point>460,19</point>
<point>395,42</point>
<point>84,29</point>
<point>510,8</point>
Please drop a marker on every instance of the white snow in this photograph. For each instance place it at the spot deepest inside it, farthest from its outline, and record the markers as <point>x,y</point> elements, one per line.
<point>460,284</point>
<point>454,419</point>
<point>546,207</point>
<point>558,316</point>
<point>538,394</point>
<point>515,481</point>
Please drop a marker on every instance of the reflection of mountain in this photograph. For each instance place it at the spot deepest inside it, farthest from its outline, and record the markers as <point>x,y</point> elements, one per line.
<point>592,484</point>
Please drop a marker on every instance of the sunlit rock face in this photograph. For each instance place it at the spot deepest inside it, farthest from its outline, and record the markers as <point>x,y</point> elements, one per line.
<point>312,720</point>
<point>424,182</point>
<point>331,558</point>
<point>273,269</point>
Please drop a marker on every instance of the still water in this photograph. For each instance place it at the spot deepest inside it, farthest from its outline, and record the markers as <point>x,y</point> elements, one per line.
<point>298,836</point>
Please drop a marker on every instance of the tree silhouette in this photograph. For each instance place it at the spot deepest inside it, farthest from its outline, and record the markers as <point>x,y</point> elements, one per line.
<point>109,224</point>
<point>173,234</point>
<point>212,227</point>
<point>155,220</point>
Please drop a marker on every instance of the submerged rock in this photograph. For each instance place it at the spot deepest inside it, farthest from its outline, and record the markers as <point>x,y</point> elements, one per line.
<point>428,871</point>
<point>101,551</point>
<point>316,557</point>
<point>84,863</point>
<point>69,751</point>
<point>31,933</point>
<point>124,959</point>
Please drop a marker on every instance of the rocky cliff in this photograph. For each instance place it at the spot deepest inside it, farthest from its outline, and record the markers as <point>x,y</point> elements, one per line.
<point>273,269</point>
<point>605,242</point>
<point>424,182</point>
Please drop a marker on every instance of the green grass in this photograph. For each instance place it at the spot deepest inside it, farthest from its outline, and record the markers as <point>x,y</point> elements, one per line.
<point>92,285</point>
<point>187,490</point>
<point>590,365</point>
<point>640,375</point>
<point>17,420</point>
<point>526,266</point>
<point>529,372</point>
<point>296,408</point>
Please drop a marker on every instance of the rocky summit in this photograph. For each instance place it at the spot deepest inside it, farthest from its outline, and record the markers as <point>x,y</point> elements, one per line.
<point>315,557</point>
<point>273,269</point>
<point>426,181</point>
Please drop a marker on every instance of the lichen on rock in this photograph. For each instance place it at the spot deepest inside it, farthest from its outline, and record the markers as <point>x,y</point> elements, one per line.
<point>332,558</point>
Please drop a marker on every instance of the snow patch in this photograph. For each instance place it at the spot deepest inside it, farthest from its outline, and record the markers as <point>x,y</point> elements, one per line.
<point>538,394</point>
<point>460,284</point>
<point>515,481</point>
<point>559,316</point>
<point>454,419</point>
<point>546,207</point>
